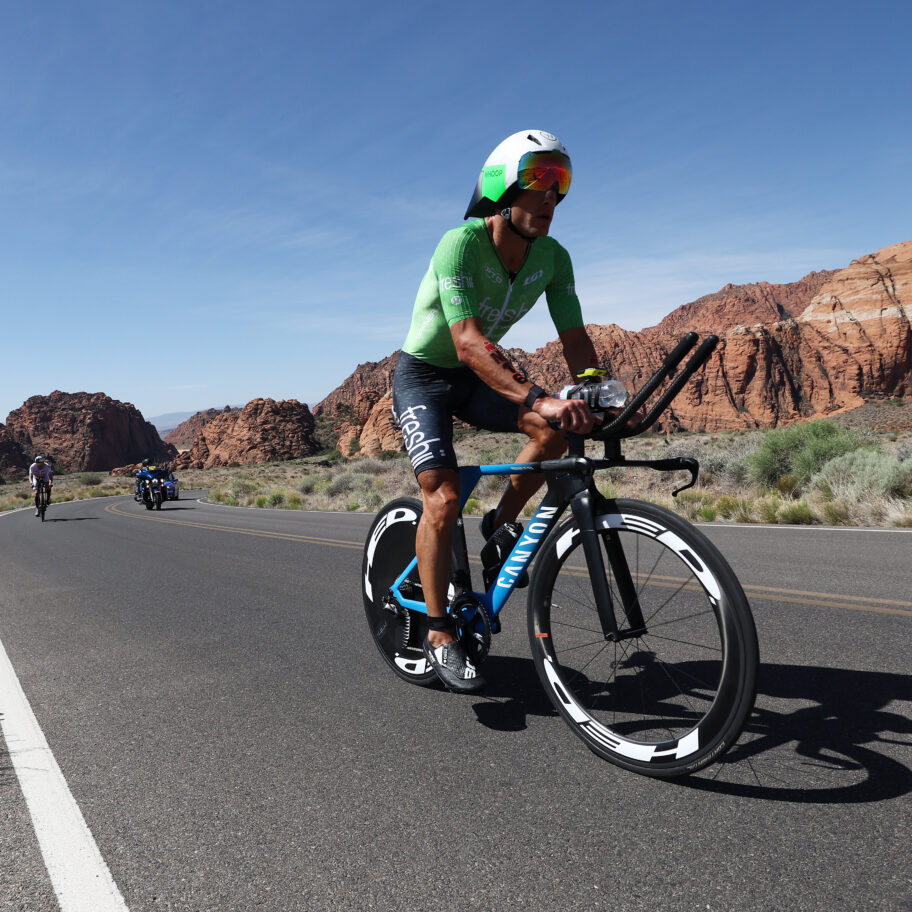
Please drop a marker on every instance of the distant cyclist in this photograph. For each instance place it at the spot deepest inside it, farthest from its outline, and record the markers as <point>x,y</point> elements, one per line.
<point>484,276</point>
<point>41,469</point>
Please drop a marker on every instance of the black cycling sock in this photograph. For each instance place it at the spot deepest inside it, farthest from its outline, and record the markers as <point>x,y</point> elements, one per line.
<point>444,623</point>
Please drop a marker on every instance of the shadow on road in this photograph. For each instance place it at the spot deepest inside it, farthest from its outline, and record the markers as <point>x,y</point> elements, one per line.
<point>816,735</point>
<point>48,519</point>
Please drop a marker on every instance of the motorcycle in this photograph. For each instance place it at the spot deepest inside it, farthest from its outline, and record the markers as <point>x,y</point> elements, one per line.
<point>150,492</point>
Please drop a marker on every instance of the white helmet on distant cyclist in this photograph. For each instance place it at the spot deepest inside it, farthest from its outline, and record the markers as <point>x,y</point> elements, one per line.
<point>528,160</point>
<point>39,459</point>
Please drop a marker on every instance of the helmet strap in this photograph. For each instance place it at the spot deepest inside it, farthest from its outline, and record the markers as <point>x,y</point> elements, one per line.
<point>505,214</point>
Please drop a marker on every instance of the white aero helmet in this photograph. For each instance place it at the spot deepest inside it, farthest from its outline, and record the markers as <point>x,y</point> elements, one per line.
<point>528,160</point>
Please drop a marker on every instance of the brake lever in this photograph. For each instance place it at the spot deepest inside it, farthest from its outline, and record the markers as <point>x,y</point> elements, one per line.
<point>673,464</point>
<point>692,466</point>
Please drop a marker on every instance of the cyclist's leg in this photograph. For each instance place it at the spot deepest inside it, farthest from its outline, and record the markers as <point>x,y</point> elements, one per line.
<point>490,411</point>
<point>423,405</point>
<point>544,443</point>
<point>440,502</point>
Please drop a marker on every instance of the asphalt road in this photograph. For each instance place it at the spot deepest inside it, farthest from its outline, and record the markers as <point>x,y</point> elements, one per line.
<point>206,682</point>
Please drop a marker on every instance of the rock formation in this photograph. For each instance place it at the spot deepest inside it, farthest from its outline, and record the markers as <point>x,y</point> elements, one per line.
<point>760,302</point>
<point>85,432</point>
<point>13,462</point>
<point>262,431</point>
<point>811,348</point>
<point>185,434</point>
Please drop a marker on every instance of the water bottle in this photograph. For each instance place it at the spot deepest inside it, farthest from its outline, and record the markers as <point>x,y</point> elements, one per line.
<point>602,395</point>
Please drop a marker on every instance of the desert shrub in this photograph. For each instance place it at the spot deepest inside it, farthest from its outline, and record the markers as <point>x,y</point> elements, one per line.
<point>276,498</point>
<point>768,507</point>
<point>903,450</point>
<point>835,513</point>
<point>744,511</point>
<point>787,485</point>
<point>341,484</point>
<point>899,513</point>
<point>726,505</point>
<point>863,473</point>
<point>799,450</point>
<point>796,513</point>
<point>372,466</point>
<point>707,512</point>
<point>261,501</point>
<point>472,506</point>
<point>86,479</point>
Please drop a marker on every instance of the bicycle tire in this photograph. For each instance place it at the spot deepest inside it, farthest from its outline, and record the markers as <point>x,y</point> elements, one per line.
<point>397,631</point>
<point>668,702</point>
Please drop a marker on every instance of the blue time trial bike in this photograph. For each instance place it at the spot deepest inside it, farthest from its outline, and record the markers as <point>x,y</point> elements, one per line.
<point>640,632</point>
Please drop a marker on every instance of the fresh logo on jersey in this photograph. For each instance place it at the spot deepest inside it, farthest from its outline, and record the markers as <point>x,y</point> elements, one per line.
<point>449,283</point>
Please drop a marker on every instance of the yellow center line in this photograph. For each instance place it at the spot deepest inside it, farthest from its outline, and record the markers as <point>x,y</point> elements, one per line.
<point>789,596</point>
<point>283,536</point>
<point>766,593</point>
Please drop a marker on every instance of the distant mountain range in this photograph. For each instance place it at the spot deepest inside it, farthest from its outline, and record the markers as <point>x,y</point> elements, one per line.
<point>164,424</point>
<point>168,422</point>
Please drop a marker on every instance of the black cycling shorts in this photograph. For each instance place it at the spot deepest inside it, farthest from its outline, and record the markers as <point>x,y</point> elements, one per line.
<point>425,399</point>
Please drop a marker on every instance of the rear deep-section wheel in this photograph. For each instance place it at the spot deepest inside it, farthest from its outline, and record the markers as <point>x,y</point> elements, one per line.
<point>673,695</point>
<point>397,631</point>
<point>149,505</point>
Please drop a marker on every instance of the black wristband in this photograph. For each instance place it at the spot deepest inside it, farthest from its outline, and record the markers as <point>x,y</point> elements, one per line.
<point>536,392</point>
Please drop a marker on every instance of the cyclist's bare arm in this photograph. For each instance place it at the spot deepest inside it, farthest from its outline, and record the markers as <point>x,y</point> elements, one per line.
<point>579,352</point>
<point>491,364</point>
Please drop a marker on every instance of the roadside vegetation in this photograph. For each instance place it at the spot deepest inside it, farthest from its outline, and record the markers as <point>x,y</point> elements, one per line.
<point>819,472</point>
<point>75,486</point>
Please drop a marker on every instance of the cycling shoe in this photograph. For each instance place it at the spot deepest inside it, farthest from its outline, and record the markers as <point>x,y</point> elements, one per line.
<point>453,667</point>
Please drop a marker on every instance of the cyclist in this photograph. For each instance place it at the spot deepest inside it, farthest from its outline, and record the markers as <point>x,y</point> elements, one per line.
<point>41,468</point>
<point>484,276</point>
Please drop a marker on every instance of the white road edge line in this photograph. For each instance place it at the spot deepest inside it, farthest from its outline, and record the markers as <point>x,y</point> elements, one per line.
<point>80,876</point>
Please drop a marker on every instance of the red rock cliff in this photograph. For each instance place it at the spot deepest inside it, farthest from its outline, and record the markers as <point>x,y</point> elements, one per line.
<point>262,431</point>
<point>85,432</point>
<point>185,434</point>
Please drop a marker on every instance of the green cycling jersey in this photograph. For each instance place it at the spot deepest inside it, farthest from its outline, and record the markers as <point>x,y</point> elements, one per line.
<point>466,279</point>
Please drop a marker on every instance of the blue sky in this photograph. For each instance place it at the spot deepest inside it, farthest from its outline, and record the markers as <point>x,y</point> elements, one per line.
<point>205,202</point>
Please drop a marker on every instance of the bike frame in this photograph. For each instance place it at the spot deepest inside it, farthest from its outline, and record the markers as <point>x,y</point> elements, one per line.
<point>570,482</point>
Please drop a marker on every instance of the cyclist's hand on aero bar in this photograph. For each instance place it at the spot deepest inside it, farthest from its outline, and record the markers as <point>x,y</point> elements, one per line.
<point>570,414</point>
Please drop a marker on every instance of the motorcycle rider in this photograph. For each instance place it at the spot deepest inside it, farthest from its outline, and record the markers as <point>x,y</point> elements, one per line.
<point>40,468</point>
<point>147,471</point>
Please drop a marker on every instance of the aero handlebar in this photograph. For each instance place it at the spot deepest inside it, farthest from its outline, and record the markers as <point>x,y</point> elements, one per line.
<point>618,427</point>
